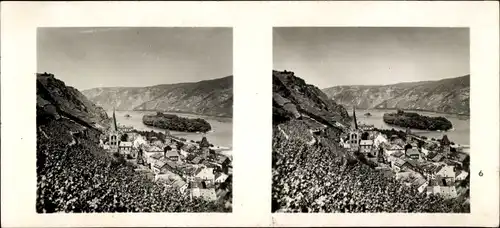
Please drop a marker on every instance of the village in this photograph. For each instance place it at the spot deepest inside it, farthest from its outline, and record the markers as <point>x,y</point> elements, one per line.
<point>196,169</point>
<point>433,166</point>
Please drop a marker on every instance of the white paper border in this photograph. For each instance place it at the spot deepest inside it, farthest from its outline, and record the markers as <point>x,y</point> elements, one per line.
<point>252,24</point>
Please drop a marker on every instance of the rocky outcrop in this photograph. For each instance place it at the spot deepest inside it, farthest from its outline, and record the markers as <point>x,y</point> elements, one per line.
<point>445,96</point>
<point>56,100</point>
<point>293,99</point>
<point>209,97</point>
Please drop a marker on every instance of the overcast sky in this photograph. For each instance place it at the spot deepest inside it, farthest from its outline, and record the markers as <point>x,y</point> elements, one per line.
<point>328,57</point>
<point>108,57</point>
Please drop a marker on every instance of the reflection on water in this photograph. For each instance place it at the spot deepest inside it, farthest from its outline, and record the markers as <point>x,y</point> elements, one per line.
<point>221,134</point>
<point>460,133</point>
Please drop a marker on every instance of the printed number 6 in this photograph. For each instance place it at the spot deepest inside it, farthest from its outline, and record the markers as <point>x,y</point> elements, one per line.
<point>481,173</point>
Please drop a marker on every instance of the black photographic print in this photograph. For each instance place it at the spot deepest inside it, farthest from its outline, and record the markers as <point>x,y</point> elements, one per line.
<point>134,119</point>
<point>371,119</point>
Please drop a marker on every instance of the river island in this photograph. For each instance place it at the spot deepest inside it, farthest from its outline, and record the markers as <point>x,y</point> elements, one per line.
<point>417,121</point>
<point>176,123</point>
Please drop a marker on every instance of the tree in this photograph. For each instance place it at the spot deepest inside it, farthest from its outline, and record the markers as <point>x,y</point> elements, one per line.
<point>166,149</point>
<point>365,136</point>
<point>408,146</point>
<point>124,138</point>
<point>179,145</point>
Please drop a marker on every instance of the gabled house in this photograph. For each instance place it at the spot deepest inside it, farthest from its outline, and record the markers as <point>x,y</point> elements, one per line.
<point>461,175</point>
<point>172,155</point>
<point>180,185</point>
<point>365,146</point>
<point>172,180</point>
<point>444,191</point>
<point>197,160</point>
<point>150,156</point>
<point>220,177</point>
<point>139,141</point>
<point>413,153</point>
<point>393,148</point>
<point>206,174</point>
<point>459,158</point>
<point>425,151</point>
<point>421,184</point>
<point>157,165</point>
<point>379,140</point>
<point>224,161</point>
<point>125,147</point>
<point>437,158</point>
<point>207,194</point>
<point>398,164</point>
<point>446,172</point>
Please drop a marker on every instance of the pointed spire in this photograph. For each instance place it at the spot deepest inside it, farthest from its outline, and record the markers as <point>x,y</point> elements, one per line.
<point>354,116</point>
<point>115,127</point>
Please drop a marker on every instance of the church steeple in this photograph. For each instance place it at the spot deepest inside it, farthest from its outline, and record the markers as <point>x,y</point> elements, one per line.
<point>354,116</point>
<point>115,126</point>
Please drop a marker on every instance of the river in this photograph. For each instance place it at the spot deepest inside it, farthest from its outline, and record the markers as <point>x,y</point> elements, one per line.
<point>460,134</point>
<point>221,134</point>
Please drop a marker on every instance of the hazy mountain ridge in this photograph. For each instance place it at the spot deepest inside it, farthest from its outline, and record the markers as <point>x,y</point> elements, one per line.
<point>209,97</point>
<point>449,95</point>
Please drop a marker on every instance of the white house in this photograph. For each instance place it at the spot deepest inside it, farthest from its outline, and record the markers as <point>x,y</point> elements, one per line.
<point>461,176</point>
<point>422,185</point>
<point>445,191</point>
<point>379,140</point>
<point>183,153</point>
<point>446,171</point>
<point>393,149</point>
<point>397,164</point>
<point>150,152</point>
<point>220,177</point>
<point>365,146</point>
<point>125,147</point>
<point>424,151</point>
<point>206,174</point>
<point>157,165</point>
<point>180,185</point>
<point>208,194</point>
<point>172,155</point>
<point>138,141</point>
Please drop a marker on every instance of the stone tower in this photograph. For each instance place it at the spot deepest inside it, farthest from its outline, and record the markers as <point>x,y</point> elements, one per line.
<point>114,135</point>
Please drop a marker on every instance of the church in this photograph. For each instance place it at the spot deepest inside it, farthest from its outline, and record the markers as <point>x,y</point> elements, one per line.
<point>354,134</point>
<point>114,135</point>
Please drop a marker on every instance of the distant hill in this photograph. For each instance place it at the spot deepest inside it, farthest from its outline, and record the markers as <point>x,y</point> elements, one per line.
<point>446,96</point>
<point>209,97</point>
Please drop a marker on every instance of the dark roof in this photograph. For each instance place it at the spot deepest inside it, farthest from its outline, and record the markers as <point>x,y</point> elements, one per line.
<point>412,162</point>
<point>437,158</point>
<point>412,151</point>
<point>221,158</point>
<point>397,154</point>
<point>197,160</point>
